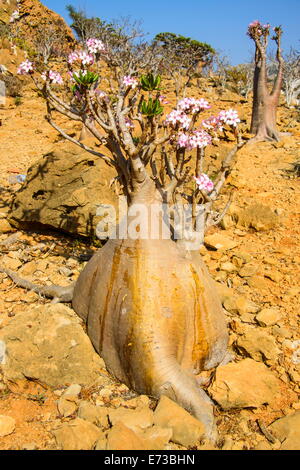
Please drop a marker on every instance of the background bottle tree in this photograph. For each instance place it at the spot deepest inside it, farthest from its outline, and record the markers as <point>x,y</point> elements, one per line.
<point>265,102</point>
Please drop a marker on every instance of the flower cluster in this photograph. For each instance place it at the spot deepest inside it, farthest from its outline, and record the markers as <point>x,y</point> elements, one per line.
<point>192,105</point>
<point>198,139</point>
<point>177,118</point>
<point>81,57</point>
<point>229,117</point>
<point>129,81</point>
<point>54,77</point>
<point>95,45</point>
<point>15,16</point>
<point>204,183</point>
<point>128,123</point>
<point>163,100</point>
<point>213,123</point>
<point>257,29</point>
<point>25,67</point>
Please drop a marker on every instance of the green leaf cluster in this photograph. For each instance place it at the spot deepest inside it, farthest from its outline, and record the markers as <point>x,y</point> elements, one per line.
<point>151,107</point>
<point>150,82</point>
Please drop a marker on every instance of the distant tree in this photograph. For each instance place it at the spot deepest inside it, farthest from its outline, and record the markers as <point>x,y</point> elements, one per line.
<point>241,78</point>
<point>263,123</point>
<point>182,58</point>
<point>221,66</point>
<point>83,26</point>
<point>291,79</point>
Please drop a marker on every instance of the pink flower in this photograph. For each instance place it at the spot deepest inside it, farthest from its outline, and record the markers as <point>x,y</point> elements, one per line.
<point>129,81</point>
<point>162,99</point>
<point>192,105</point>
<point>54,77</point>
<point>178,118</point>
<point>128,123</point>
<point>25,68</point>
<point>204,183</point>
<point>212,123</point>
<point>95,45</point>
<point>81,57</point>
<point>229,117</point>
<point>200,139</point>
<point>183,141</point>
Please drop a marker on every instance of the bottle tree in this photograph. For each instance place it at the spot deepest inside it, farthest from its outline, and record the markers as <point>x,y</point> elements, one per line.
<point>265,102</point>
<point>151,308</point>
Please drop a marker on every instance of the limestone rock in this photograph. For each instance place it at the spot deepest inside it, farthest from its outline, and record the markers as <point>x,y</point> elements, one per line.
<point>67,405</point>
<point>244,384</point>
<point>256,216</point>
<point>268,317</point>
<point>5,225</point>
<point>218,241</point>
<point>48,343</point>
<point>77,435</point>
<point>187,430</point>
<point>97,415</point>
<point>259,345</point>
<point>287,430</point>
<point>120,437</point>
<point>63,190</point>
<point>7,425</point>
<point>141,417</point>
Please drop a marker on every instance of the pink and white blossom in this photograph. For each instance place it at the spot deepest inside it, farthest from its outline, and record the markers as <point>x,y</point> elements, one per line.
<point>200,139</point>
<point>129,123</point>
<point>177,118</point>
<point>213,123</point>
<point>204,182</point>
<point>95,45</point>
<point>25,68</point>
<point>192,105</point>
<point>229,117</point>
<point>54,77</point>
<point>14,16</point>
<point>82,57</point>
<point>197,139</point>
<point>129,81</point>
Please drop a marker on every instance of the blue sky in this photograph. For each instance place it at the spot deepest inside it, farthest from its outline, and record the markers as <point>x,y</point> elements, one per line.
<point>221,23</point>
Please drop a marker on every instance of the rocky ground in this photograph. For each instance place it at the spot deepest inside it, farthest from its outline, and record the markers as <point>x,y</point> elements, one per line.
<point>54,390</point>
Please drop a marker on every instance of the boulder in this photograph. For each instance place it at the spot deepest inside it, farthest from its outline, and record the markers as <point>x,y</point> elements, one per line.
<point>287,430</point>
<point>7,425</point>
<point>257,344</point>
<point>187,430</point>
<point>245,384</point>
<point>256,216</point>
<point>47,343</point>
<point>63,190</point>
<point>77,435</point>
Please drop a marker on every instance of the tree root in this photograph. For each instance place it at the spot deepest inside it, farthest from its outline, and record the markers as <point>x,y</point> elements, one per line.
<point>57,293</point>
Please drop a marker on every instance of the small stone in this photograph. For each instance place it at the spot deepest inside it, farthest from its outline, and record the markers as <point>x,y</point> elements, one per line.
<point>67,405</point>
<point>258,282</point>
<point>7,425</point>
<point>248,270</point>
<point>5,226</point>
<point>228,267</point>
<point>141,417</point>
<point>29,446</point>
<point>287,430</point>
<point>218,241</point>
<point>259,345</point>
<point>187,430</point>
<point>244,384</point>
<point>268,317</point>
<point>97,415</point>
<point>120,437</point>
<point>73,389</point>
<point>77,435</point>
